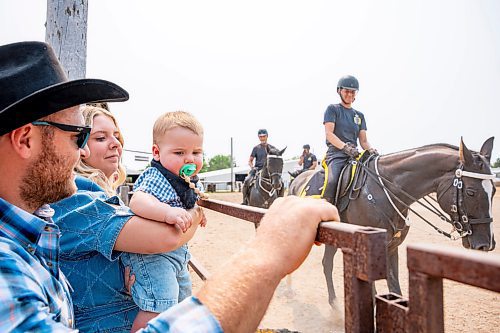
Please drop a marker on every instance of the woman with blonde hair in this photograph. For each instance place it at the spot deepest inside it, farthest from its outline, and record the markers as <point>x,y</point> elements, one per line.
<point>96,228</point>
<point>83,168</point>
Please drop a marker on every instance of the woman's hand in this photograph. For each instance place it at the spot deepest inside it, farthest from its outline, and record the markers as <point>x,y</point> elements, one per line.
<point>198,215</point>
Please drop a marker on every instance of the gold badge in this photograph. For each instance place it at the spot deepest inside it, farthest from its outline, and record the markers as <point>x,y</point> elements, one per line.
<point>357,120</point>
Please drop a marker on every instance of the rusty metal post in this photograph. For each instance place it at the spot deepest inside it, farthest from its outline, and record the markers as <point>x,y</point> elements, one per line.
<point>358,301</point>
<point>392,313</point>
<point>124,191</point>
<point>426,303</point>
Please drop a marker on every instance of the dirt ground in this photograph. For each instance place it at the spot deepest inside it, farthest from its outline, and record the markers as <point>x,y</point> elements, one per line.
<point>467,309</point>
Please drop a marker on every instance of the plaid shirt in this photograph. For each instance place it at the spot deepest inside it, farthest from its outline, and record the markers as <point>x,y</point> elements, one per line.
<point>187,316</point>
<point>33,291</point>
<point>152,181</point>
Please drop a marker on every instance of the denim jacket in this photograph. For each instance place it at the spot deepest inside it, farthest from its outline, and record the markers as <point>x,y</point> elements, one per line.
<point>90,223</point>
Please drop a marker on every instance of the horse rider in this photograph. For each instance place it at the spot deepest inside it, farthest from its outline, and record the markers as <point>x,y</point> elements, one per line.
<point>344,126</point>
<point>307,160</point>
<point>258,155</point>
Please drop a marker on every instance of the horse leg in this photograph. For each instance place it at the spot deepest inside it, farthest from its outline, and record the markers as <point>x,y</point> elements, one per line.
<point>328,271</point>
<point>393,270</point>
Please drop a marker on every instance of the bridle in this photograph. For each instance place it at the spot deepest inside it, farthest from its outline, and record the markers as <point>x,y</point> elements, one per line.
<point>268,180</point>
<point>459,218</point>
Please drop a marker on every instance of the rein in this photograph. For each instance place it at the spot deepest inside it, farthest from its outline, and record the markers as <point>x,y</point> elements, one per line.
<point>459,215</point>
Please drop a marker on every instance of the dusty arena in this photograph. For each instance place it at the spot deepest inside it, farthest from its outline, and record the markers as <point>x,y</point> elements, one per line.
<point>467,309</point>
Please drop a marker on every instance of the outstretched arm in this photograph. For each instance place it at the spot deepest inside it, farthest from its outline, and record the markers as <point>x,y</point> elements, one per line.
<point>239,294</point>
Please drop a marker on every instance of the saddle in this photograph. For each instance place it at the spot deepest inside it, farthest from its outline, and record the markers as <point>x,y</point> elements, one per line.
<point>351,180</point>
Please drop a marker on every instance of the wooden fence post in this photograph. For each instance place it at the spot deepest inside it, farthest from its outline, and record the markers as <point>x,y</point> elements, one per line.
<point>66,32</point>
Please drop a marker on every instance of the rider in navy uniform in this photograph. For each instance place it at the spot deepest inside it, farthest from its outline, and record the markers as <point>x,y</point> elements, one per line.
<point>344,126</point>
<point>307,160</point>
<point>258,155</point>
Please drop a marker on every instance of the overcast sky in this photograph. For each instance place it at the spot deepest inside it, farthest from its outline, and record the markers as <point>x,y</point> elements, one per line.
<point>429,70</point>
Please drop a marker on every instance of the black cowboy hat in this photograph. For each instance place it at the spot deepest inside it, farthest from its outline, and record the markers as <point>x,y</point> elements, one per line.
<point>33,85</point>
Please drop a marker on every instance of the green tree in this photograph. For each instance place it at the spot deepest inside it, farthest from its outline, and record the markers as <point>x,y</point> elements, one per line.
<point>219,162</point>
<point>497,163</point>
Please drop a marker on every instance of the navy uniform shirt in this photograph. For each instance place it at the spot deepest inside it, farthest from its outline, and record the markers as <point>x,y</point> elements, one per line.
<point>308,161</point>
<point>348,124</point>
<point>259,153</point>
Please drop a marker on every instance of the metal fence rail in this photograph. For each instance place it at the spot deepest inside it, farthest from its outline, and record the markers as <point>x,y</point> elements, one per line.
<point>364,252</point>
<point>364,259</point>
<point>428,264</point>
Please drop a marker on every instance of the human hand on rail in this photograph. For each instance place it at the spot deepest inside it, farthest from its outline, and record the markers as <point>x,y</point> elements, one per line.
<point>180,217</point>
<point>350,150</point>
<point>288,230</point>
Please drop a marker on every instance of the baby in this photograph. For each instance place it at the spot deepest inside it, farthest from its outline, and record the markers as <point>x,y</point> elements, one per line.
<point>165,192</point>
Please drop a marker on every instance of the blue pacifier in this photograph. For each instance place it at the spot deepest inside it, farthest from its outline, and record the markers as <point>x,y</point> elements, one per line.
<point>187,170</point>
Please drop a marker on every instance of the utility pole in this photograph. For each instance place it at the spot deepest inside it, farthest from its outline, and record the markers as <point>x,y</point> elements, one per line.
<point>232,166</point>
<point>66,32</point>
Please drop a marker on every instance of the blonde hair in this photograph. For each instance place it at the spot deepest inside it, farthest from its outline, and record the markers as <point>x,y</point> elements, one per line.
<point>97,176</point>
<point>170,120</point>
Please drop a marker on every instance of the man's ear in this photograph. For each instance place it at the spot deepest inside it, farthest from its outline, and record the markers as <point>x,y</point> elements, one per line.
<point>22,140</point>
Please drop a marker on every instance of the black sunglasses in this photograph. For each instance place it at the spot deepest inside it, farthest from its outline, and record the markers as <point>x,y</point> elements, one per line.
<point>83,131</point>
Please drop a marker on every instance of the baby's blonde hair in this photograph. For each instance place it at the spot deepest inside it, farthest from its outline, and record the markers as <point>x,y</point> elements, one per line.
<point>97,176</point>
<point>170,120</point>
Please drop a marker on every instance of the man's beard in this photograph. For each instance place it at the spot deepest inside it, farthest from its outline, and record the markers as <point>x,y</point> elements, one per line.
<point>49,179</point>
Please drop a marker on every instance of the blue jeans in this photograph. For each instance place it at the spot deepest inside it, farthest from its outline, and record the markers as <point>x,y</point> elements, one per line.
<point>161,280</point>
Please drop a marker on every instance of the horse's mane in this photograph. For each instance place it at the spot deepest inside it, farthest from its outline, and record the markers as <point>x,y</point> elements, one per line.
<point>438,145</point>
<point>434,146</point>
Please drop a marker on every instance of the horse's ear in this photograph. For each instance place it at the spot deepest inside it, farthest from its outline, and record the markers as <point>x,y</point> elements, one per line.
<point>464,153</point>
<point>282,151</point>
<point>487,148</point>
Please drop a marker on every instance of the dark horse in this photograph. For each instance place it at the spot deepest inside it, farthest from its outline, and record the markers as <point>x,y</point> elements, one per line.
<point>462,180</point>
<point>267,185</point>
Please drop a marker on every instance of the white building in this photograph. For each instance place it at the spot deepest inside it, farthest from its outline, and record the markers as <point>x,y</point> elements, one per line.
<point>136,161</point>
<point>222,178</point>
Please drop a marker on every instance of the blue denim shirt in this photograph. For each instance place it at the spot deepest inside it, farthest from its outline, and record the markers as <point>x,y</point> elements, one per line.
<point>90,223</point>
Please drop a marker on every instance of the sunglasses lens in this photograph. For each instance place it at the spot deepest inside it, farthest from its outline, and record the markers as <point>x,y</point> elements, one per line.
<point>82,139</point>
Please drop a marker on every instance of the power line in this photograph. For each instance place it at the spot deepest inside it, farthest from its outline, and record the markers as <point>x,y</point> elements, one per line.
<point>138,151</point>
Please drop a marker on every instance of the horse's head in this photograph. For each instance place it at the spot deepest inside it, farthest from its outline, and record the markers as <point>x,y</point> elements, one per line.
<point>469,198</point>
<point>274,165</point>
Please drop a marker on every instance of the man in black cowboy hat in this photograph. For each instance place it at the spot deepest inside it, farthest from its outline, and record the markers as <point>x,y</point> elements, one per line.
<point>41,139</point>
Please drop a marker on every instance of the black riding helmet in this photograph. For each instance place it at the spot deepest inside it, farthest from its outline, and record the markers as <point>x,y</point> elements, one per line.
<point>262,131</point>
<point>348,82</point>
